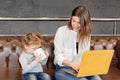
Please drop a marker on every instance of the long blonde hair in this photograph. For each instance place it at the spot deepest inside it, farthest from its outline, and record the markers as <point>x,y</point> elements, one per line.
<point>85,22</point>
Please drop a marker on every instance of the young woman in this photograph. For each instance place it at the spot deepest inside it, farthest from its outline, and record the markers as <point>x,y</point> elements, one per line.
<point>31,63</point>
<point>70,43</point>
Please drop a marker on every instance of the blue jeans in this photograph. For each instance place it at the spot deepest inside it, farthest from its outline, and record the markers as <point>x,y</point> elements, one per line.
<point>61,75</point>
<point>36,76</point>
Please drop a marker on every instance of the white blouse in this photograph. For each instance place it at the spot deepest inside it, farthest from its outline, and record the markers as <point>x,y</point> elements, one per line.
<point>65,46</point>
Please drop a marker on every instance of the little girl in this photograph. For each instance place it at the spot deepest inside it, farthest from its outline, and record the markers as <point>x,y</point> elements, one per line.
<point>32,64</point>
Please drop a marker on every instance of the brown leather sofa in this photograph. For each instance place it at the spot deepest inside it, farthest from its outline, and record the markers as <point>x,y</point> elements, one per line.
<point>117,51</point>
<point>10,49</point>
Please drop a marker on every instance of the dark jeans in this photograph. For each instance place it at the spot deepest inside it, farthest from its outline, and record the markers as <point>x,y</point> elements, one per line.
<point>36,76</point>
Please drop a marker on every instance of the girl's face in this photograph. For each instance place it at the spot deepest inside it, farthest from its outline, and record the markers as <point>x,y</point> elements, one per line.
<point>31,48</point>
<point>75,22</point>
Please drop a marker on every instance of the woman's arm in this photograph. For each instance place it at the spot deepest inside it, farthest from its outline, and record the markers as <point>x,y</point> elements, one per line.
<point>59,48</point>
<point>58,43</point>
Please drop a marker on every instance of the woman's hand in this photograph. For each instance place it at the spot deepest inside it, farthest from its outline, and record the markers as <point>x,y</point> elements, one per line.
<point>71,64</point>
<point>75,67</point>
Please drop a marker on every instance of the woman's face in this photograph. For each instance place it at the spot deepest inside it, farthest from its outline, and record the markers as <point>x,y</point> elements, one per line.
<point>75,22</point>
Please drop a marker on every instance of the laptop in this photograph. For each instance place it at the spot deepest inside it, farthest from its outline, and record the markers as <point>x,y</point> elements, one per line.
<point>94,62</point>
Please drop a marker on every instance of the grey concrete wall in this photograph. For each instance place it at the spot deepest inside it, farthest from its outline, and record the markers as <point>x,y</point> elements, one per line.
<point>55,8</point>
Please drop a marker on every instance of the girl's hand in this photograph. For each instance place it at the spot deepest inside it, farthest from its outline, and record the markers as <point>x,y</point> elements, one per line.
<point>46,53</point>
<point>38,58</point>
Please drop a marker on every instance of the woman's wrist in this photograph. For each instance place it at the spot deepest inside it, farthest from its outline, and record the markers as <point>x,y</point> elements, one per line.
<point>68,63</point>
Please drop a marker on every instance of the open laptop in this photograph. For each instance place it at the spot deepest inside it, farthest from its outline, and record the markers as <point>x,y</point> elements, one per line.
<point>94,62</point>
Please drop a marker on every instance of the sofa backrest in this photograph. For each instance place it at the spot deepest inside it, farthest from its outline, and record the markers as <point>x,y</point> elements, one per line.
<point>10,49</point>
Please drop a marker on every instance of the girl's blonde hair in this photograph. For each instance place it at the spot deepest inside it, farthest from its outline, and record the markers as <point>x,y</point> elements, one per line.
<point>33,38</point>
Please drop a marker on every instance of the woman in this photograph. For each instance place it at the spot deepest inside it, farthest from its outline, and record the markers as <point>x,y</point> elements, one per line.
<point>70,43</point>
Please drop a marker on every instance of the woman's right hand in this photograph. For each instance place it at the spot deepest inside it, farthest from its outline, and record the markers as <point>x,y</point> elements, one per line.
<point>75,67</point>
<point>71,64</point>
